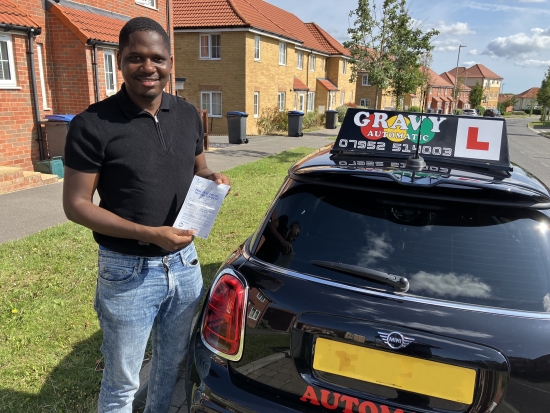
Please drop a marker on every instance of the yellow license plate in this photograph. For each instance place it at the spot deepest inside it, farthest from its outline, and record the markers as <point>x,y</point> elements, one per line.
<point>395,370</point>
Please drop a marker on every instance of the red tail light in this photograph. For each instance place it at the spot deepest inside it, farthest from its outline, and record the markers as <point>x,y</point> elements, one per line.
<point>223,319</point>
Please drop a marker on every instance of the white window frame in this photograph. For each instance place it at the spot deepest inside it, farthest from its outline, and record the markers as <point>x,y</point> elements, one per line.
<point>364,102</point>
<point>210,48</point>
<point>256,104</point>
<point>109,54</point>
<point>331,100</point>
<point>365,80</point>
<point>310,101</point>
<point>152,4</point>
<point>260,297</point>
<point>299,101</point>
<point>42,77</point>
<point>342,98</point>
<point>8,83</point>
<point>254,314</point>
<point>312,59</point>
<point>282,53</point>
<point>344,66</point>
<point>281,101</point>
<point>300,58</point>
<point>257,43</point>
<point>209,104</point>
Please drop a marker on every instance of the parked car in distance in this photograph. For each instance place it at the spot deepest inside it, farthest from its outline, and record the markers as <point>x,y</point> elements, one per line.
<point>382,281</point>
<point>491,113</point>
<point>469,112</point>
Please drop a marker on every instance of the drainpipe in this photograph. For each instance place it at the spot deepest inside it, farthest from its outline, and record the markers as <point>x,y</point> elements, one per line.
<point>169,24</point>
<point>35,32</point>
<point>31,33</point>
<point>95,71</point>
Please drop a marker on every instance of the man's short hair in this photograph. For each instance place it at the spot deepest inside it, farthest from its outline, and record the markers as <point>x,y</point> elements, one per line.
<point>141,24</point>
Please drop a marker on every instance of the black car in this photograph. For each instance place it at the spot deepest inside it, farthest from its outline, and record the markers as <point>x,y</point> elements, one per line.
<point>387,277</point>
<point>491,113</point>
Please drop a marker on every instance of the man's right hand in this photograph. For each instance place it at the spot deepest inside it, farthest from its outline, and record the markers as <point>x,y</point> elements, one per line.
<point>170,238</point>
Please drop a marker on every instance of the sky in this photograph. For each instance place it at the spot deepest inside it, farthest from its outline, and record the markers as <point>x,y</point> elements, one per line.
<point>510,37</point>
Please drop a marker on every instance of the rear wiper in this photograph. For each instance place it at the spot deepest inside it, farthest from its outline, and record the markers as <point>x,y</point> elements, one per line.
<point>400,284</point>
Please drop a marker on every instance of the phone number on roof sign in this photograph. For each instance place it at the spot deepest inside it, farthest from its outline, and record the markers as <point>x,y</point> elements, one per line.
<point>396,147</point>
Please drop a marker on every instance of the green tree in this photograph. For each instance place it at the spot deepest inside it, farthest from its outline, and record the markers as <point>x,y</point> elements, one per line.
<point>543,97</point>
<point>511,101</point>
<point>408,47</point>
<point>476,95</point>
<point>387,45</point>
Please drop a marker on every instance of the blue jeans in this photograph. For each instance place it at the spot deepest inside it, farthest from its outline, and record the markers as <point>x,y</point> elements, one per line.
<point>137,297</point>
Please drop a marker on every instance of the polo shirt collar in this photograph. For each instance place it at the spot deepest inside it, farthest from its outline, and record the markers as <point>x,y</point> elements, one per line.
<point>131,110</point>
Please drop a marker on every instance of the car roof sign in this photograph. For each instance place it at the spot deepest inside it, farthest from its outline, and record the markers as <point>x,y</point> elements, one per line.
<point>462,140</point>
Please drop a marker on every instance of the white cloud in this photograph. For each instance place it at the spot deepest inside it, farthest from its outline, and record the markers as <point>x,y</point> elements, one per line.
<point>546,303</point>
<point>520,44</point>
<point>470,63</point>
<point>455,29</point>
<point>502,7</point>
<point>473,52</point>
<point>378,247</point>
<point>446,45</point>
<point>532,63</point>
<point>450,285</point>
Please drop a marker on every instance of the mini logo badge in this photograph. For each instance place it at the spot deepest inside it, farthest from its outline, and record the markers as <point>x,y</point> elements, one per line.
<point>396,340</point>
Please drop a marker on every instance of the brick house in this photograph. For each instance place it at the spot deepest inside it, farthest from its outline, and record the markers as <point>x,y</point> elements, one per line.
<point>503,97</point>
<point>248,55</point>
<point>73,64</point>
<point>463,95</point>
<point>439,98</point>
<point>489,80</point>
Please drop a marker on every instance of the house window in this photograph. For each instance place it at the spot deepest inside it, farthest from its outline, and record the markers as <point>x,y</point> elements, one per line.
<point>364,102</point>
<point>254,313</point>
<point>7,67</point>
<point>310,101</point>
<point>344,66</point>
<point>281,101</point>
<point>41,72</point>
<point>300,60</point>
<point>256,47</point>
<point>331,100</point>
<point>256,104</point>
<point>312,63</point>
<point>365,80</point>
<point>147,3</point>
<point>212,102</point>
<point>210,46</point>
<point>110,74</point>
<point>282,53</point>
<point>260,297</point>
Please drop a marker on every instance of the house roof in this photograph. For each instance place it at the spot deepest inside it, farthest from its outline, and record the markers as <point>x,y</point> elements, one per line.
<point>451,79</point>
<point>436,80</point>
<point>299,85</point>
<point>10,13</point>
<point>87,25</point>
<point>327,84</point>
<point>257,14</point>
<point>476,71</point>
<point>529,93</point>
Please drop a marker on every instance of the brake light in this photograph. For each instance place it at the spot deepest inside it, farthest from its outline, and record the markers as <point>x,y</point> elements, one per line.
<point>223,320</point>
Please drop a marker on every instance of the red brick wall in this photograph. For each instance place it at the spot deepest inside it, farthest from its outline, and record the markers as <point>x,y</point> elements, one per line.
<point>69,79</point>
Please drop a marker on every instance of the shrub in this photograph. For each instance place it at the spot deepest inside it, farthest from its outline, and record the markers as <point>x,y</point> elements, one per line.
<point>480,109</point>
<point>342,112</point>
<point>458,112</point>
<point>312,120</point>
<point>414,109</point>
<point>350,105</point>
<point>535,111</point>
<point>272,120</point>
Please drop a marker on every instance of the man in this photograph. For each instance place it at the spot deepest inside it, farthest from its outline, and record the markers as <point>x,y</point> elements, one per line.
<point>140,149</point>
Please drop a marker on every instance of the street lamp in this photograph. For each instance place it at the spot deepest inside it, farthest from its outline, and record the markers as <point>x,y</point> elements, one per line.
<point>456,75</point>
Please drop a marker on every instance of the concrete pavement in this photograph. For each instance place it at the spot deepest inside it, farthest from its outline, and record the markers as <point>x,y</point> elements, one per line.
<point>26,212</point>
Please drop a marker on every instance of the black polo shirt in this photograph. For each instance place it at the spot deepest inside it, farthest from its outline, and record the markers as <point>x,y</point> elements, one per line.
<point>145,163</point>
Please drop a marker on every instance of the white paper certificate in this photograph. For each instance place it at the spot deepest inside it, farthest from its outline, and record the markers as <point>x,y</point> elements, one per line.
<point>201,206</point>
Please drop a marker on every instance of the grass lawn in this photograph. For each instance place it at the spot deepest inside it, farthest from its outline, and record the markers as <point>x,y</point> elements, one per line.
<point>49,335</point>
<point>539,125</point>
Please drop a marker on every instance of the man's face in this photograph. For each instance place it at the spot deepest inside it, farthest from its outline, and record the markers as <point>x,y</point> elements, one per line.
<point>145,64</point>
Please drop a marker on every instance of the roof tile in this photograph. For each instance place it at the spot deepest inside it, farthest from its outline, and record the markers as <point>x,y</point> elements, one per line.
<point>327,84</point>
<point>206,13</point>
<point>529,93</point>
<point>88,25</point>
<point>299,85</point>
<point>10,13</point>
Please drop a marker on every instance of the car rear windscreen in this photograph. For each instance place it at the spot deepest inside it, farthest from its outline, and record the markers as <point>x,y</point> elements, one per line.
<point>468,253</point>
